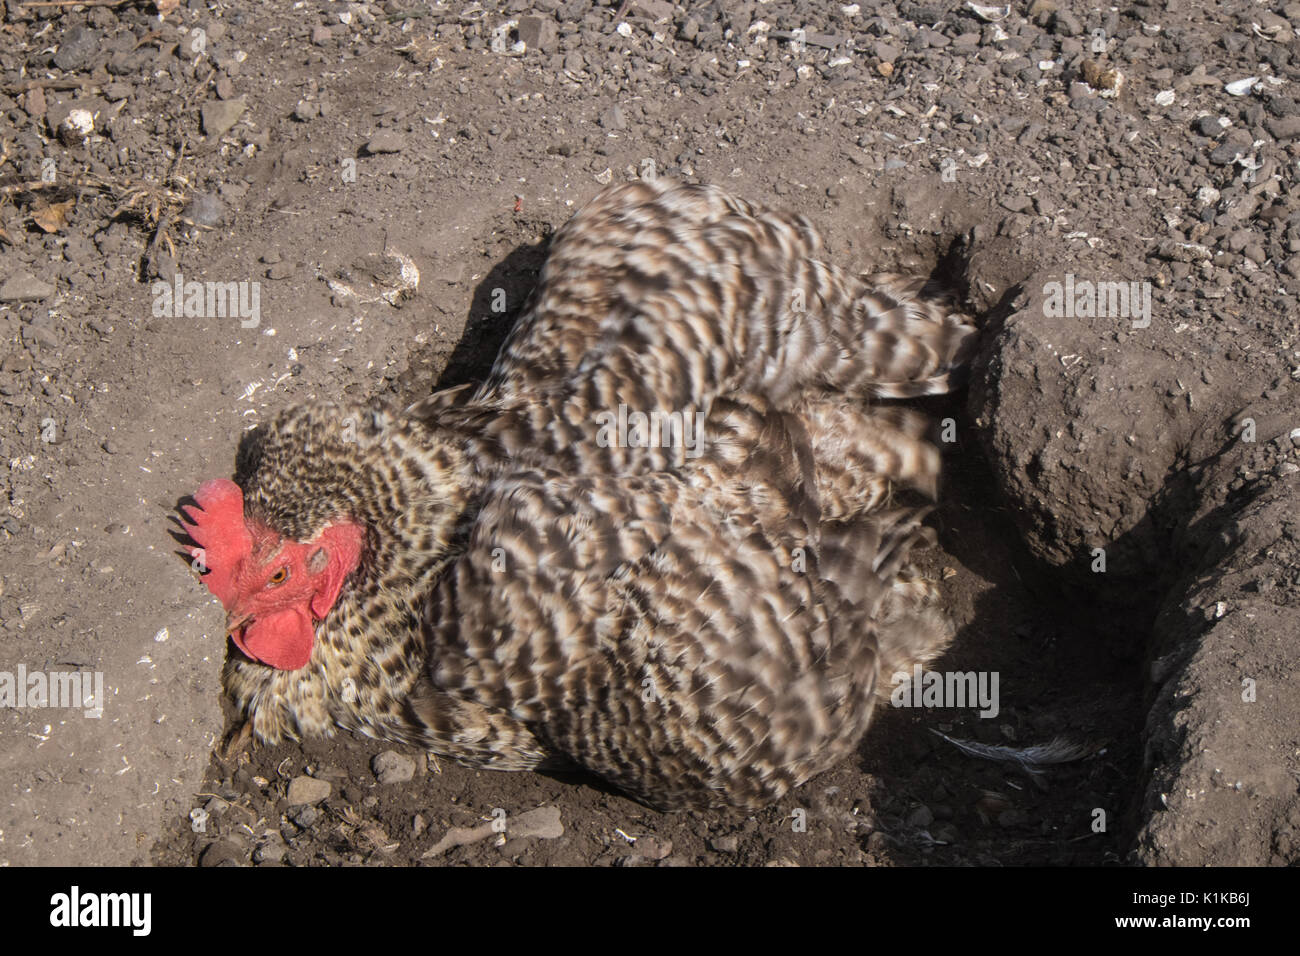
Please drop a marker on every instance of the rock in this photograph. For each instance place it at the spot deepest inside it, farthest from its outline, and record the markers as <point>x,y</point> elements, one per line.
<point>1288,127</point>
<point>281,270</point>
<point>205,209</point>
<point>307,790</point>
<point>322,35</point>
<point>544,823</point>
<point>272,852</point>
<point>538,33</point>
<point>222,853</point>
<point>305,817</point>
<point>77,47</point>
<point>1066,24</point>
<point>725,844</point>
<point>885,52</point>
<point>1208,125</point>
<point>386,141</point>
<point>305,111</point>
<point>40,334</point>
<point>36,105</point>
<point>392,767</point>
<point>220,115</point>
<point>613,118</point>
<point>25,287</point>
<point>1226,154</point>
<point>653,848</point>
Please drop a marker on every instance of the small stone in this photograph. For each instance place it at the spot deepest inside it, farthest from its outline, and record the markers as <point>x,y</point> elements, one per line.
<point>225,87</point>
<point>220,115</point>
<point>322,35</point>
<point>110,448</point>
<point>385,141</point>
<point>1226,154</point>
<point>36,105</point>
<point>392,767</point>
<point>1287,127</point>
<point>222,853</point>
<point>281,270</point>
<point>613,118</point>
<point>1066,24</point>
<point>1208,126</point>
<point>272,852</point>
<point>538,33</point>
<point>305,817</point>
<point>205,209</point>
<point>725,844</point>
<point>307,790</point>
<point>24,287</point>
<point>543,823</point>
<point>653,848</point>
<point>885,52</point>
<point>76,127</point>
<point>77,47</point>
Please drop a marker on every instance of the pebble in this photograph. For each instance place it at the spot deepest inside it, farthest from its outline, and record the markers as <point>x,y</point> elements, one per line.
<point>653,848</point>
<point>222,853</point>
<point>77,47</point>
<point>307,790</point>
<point>305,817</point>
<point>543,823</point>
<point>613,118</point>
<point>205,209</point>
<point>1286,127</point>
<point>281,270</point>
<point>385,141</point>
<point>220,115</point>
<point>392,767</point>
<point>1225,154</point>
<point>25,287</point>
<point>272,852</point>
<point>725,844</point>
<point>538,33</point>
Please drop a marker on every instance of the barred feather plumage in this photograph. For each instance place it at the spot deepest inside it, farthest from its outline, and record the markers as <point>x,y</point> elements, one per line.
<point>699,625</point>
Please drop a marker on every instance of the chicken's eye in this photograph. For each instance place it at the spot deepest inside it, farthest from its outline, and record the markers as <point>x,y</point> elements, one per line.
<point>279,577</point>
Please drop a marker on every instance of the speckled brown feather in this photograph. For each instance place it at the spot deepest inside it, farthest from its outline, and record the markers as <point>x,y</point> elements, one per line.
<point>700,625</point>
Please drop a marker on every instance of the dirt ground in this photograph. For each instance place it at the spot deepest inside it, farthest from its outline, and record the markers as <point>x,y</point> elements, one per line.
<point>1120,538</point>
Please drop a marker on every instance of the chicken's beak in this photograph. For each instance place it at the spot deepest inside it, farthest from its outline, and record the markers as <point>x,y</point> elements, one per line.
<point>236,622</point>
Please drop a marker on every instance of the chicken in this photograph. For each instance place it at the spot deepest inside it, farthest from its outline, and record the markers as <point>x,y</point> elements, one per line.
<point>669,540</point>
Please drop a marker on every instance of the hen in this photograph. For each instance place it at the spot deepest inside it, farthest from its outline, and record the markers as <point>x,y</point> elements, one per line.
<point>668,540</point>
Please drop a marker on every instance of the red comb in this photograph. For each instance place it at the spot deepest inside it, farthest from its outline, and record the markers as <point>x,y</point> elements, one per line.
<point>217,527</point>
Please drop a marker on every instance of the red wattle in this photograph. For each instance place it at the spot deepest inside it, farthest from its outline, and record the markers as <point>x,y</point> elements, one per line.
<point>281,639</point>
